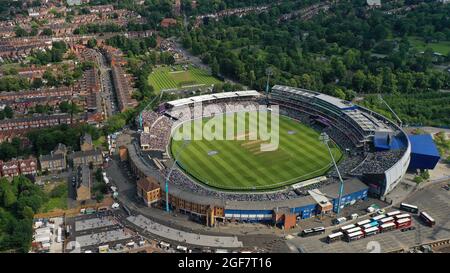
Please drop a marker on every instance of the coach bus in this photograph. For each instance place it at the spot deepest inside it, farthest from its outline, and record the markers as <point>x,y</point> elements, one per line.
<point>362,223</point>
<point>409,208</point>
<point>387,227</point>
<point>403,223</point>
<point>353,230</point>
<point>371,231</point>
<point>392,213</point>
<point>378,217</point>
<point>427,218</point>
<point>312,231</point>
<point>371,224</point>
<point>334,237</point>
<point>402,216</point>
<point>347,227</point>
<point>386,220</point>
<point>355,236</point>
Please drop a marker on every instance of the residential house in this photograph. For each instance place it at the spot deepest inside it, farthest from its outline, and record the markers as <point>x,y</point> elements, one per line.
<point>10,168</point>
<point>168,22</point>
<point>149,190</point>
<point>28,166</point>
<point>53,162</point>
<point>84,188</point>
<point>93,157</point>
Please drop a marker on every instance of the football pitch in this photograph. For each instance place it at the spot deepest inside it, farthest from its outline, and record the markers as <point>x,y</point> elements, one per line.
<point>240,165</point>
<point>165,78</point>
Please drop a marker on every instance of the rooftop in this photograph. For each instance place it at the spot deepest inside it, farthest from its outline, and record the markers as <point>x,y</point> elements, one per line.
<point>203,98</point>
<point>423,144</point>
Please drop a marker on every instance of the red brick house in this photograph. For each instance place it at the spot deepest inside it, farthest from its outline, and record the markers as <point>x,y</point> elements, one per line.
<point>28,166</point>
<point>10,168</point>
<point>167,22</point>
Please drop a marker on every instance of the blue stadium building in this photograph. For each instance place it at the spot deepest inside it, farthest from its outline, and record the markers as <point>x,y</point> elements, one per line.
<point>424,153</point>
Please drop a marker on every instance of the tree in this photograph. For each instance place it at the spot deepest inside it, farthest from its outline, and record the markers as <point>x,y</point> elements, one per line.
<point>47,32</point>
<point>215,67</point>
<point>99,197</point>
<point>187,41</point>
<point>339,93</point>
<point>8,111</point>
<point>251,77</point>
<point>6,193</point>
<point>92,43</point>
<point>338,67</point>
<point>37,83</point>
<point>418,179</point>
<point>64,106</point>
<point>358,80</point>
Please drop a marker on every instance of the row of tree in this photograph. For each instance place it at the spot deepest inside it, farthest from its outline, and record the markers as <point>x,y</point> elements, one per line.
<point>342,53</point>
<point>53,55</point>
<point>19,201</point>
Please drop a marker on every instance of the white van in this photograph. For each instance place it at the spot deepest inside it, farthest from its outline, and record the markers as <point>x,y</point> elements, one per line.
<point>340,220</point>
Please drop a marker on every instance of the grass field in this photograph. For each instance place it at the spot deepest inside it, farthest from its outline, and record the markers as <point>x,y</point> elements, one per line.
<point>163,78</point>
<point>58,194</point>
<point>240,165</point>
<point>440,47</point>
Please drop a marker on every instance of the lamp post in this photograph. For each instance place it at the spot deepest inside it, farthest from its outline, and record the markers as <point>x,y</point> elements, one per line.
<point>186,142</point>
<point>325,138</point>
<point>269,72</point>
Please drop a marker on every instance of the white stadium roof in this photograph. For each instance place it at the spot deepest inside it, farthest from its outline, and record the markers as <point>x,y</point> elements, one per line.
<point>224,95</point>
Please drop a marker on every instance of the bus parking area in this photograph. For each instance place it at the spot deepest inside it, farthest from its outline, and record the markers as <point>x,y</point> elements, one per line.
<point>100,232</point>
<point>432,200</point>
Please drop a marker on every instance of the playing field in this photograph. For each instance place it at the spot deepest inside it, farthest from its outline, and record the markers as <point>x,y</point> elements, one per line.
<point>442,47</point>
<point>241,165</point>
<point>164,78</point>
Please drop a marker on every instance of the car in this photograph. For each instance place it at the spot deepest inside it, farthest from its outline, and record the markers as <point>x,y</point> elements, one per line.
<point>115,206</point>
<point>446,187</point>
<point>380,211</point>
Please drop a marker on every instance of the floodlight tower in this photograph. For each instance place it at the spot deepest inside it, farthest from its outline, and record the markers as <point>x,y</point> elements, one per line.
<point>325,139</point>
<point>186,142</point>
<point>390,109</point>
<point>269,72</point>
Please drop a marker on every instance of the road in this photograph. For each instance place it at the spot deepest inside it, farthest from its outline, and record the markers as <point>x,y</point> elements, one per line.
<point>108,96</point>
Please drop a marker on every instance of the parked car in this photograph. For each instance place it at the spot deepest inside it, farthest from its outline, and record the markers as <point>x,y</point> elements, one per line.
<point>380,211</point>
<point>354,216</point>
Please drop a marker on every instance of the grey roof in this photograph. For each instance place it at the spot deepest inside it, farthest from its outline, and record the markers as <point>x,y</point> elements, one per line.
<point>350,186</point>
<point>339,103</point>
<point>85,176</point>
<point>51,157</point>
<point>270,205</point>
<point>86,138</point>
<point>60,147</point>
<point>373,2</point>
<point>86,153</point>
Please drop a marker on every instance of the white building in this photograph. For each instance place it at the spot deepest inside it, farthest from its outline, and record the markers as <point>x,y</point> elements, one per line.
<point>376,3</point>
